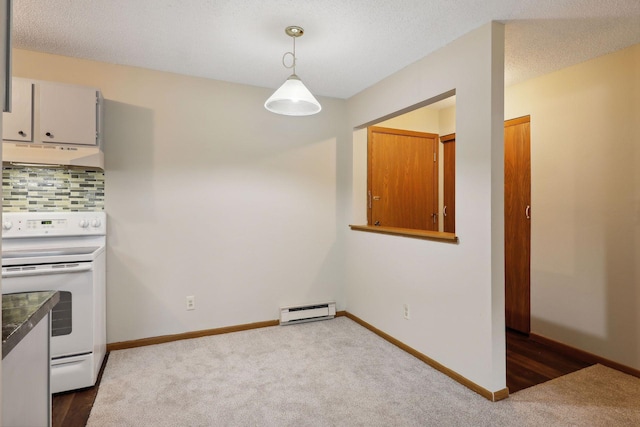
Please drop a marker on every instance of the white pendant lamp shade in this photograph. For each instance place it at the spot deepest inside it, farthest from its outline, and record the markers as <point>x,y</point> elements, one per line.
<point>293,99</point>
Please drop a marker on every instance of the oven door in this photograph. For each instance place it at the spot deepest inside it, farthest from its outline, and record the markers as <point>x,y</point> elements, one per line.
<point>72,320</point>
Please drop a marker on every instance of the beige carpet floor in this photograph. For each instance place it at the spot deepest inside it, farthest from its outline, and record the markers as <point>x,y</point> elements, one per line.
<point>333,373</point>
<point>594,396</point>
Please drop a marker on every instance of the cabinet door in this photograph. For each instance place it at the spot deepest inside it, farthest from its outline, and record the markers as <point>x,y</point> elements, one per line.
<point>67,114</point>
<point>18,124</point>
<point>26,395</point>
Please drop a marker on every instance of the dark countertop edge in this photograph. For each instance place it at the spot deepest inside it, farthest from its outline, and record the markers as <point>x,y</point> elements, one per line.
<point>30,321</point>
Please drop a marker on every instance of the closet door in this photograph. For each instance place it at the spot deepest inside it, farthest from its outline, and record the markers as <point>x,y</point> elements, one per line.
<point>449,184</point>
<point>517,223</point>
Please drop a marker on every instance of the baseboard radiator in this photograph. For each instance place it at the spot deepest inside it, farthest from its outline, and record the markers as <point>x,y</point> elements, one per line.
<point>307,313</point>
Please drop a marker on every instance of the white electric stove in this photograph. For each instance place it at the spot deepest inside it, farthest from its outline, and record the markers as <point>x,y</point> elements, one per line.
<point>65,252</point>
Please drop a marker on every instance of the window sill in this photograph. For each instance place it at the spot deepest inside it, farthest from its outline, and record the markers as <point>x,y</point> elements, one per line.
<point>407,232</point>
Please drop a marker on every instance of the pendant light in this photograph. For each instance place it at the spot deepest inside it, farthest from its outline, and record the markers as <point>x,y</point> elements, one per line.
<point>293,98</point>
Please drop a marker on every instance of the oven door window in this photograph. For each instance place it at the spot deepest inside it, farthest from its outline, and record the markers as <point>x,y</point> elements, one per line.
<point>62,315</point>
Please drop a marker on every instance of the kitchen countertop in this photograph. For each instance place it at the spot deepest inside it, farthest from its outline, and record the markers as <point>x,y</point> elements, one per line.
<point>21,312</point>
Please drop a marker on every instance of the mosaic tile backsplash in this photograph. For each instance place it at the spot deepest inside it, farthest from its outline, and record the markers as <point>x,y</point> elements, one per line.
<point>34,189</point>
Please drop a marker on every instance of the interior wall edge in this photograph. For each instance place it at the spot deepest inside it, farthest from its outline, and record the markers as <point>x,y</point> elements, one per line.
<point>493,396</point>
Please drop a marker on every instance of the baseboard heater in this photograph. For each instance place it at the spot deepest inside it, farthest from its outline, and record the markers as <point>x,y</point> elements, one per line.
<point>307,313</point>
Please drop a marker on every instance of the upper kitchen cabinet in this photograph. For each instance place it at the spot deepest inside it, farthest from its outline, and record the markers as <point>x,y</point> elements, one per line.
<point>68,114</point>
<point>53,123</point>
<point>18,124</point>
<point>63,113</point>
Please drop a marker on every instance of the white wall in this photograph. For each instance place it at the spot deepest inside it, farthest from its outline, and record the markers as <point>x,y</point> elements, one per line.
<point>456,291</point>
<point>421,120</point>
<point>208,194</point>
<point>585,172</point>
<point>586,198</point>
<point>447,120</point>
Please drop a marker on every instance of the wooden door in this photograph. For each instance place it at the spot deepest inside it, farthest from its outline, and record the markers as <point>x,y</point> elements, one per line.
<point>517,223</point>
<point>403,179</point>
<point>449,184</point>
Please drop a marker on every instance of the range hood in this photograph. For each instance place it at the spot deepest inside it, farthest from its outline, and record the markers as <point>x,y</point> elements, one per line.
<point>53,155</point>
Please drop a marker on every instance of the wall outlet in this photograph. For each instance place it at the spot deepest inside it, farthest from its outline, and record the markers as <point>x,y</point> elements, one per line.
<point>407,313</point>
<point>191,302</point>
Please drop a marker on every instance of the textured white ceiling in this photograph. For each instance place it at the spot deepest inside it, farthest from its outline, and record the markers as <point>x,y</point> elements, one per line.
<point>348,44</point>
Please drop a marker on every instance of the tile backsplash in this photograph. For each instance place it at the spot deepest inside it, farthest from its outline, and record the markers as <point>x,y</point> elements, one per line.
<point>41,189</point>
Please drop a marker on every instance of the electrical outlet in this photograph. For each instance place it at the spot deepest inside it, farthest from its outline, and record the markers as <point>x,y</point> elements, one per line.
<point>191,302</point>
<point>407,313</point>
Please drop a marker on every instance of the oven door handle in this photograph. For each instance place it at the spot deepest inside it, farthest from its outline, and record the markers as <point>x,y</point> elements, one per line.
<point>34,271</point>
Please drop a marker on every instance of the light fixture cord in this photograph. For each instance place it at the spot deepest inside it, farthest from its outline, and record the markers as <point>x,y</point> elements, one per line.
<point>293,55</point>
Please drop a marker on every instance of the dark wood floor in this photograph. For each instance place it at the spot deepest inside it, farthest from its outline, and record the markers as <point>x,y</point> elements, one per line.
<point>528,363</point>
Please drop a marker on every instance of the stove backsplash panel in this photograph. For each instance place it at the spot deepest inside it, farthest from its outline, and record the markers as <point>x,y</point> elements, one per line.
<point>36,189</point>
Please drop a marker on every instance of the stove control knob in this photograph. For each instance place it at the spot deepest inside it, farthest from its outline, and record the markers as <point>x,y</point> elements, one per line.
<point>7,225</point>
<point>83,223</point>
<point>96,223</point>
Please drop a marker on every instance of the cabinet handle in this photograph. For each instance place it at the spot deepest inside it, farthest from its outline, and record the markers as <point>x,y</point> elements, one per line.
<point>21,133</point>
<point>49,134</point>
<point>527,212</point>
<point>444,211</point>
